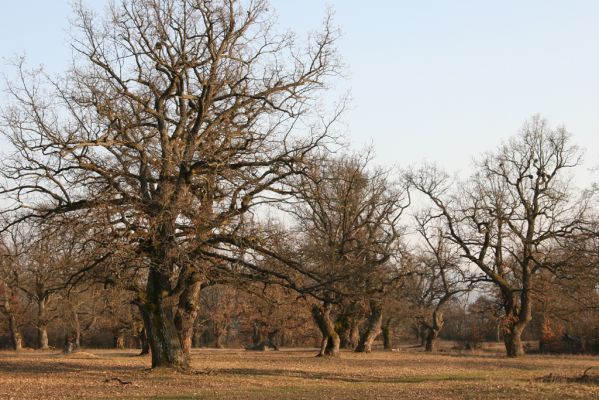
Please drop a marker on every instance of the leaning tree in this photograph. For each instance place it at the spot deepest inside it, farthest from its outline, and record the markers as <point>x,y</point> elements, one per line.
<point>176,118</point>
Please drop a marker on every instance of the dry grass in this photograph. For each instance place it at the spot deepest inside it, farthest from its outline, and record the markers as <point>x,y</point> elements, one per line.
<point>236,374</point>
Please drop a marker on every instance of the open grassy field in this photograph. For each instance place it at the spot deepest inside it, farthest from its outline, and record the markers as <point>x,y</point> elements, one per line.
<point>294,374</point>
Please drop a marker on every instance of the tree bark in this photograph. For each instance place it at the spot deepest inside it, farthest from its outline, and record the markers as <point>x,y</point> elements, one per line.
<point>349,328</point>
<point>159,319</point>
<point>42,325</point>
<point>512,337</point>
<point>373,330</point>
<point>386,331</point>
<point>433,331</point>
<point>144,345</point>
<point>218,341</point>
<point>330,338</point>
<point>515,321</point>
<point>76,330</point>
<point>16,340</point>
<point>431,340</point>
<point>187,311</point>
<point>422,333</point>
<point>119,338</point>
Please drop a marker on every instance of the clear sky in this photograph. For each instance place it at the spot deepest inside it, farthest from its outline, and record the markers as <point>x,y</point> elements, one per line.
<point>437,80</point>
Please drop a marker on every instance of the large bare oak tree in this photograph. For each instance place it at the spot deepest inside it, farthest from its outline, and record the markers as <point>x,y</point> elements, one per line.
<point>176,119</point>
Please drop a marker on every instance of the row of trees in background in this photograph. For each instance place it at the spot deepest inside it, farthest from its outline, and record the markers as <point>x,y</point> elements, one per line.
<point>181,183</point>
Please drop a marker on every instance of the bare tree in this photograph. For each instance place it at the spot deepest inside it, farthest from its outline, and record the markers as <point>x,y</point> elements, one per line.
<point>439,276</point>
<point>177,118</point>
<point>11,306</point>
<point>509,215</point>
<point>349,219</point>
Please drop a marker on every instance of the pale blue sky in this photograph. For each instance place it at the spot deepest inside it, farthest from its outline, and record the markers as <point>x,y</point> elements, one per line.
<point>436,80</point>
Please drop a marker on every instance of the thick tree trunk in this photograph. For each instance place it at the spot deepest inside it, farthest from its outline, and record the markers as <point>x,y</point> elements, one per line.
<point>42,326</point>
<point>515,321</point>
<point>187,311</point>
<point>16,340</point>
<point>42,337</point>
<point>144,345</point>
<point>219,336</point>
<point>422,333</point>
<point>262,340</point>
<point>433,331</point>
<point>271,339</point>
<point>431,340</point>
<point>349,328</point>
<point>330,338</point>
<point>513,341</point>
<point>69,344</point>
<point>158,313</point>
<point>119,338</point>
<point>386,332</point>
<point>354,335</point>
<point>373,330</point>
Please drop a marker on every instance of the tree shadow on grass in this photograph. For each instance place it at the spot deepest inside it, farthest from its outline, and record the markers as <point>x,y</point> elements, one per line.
<point>349,379</point>
<point>54,367</point>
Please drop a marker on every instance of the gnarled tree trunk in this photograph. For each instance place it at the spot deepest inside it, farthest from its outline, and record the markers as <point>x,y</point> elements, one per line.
<point>158,312</point>
<point>515,321</point>
<point>187,311</point>
<point>373,329</point>
<point>512,337</point>
<point>433,331</point>
<point>330,338</point>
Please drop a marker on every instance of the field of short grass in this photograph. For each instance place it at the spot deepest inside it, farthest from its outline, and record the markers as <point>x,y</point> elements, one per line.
<point>295,374</point>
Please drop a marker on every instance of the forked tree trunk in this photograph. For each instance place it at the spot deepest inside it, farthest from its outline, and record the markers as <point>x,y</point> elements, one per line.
<point>373,330</point>
<point>187,312</point>
<point>330,338</point>
<point>515,321</point>
<point>433,331</point>
<point>159,319</point>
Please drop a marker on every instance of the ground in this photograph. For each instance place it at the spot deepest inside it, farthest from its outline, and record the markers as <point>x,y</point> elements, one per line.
<point>296,374</point>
